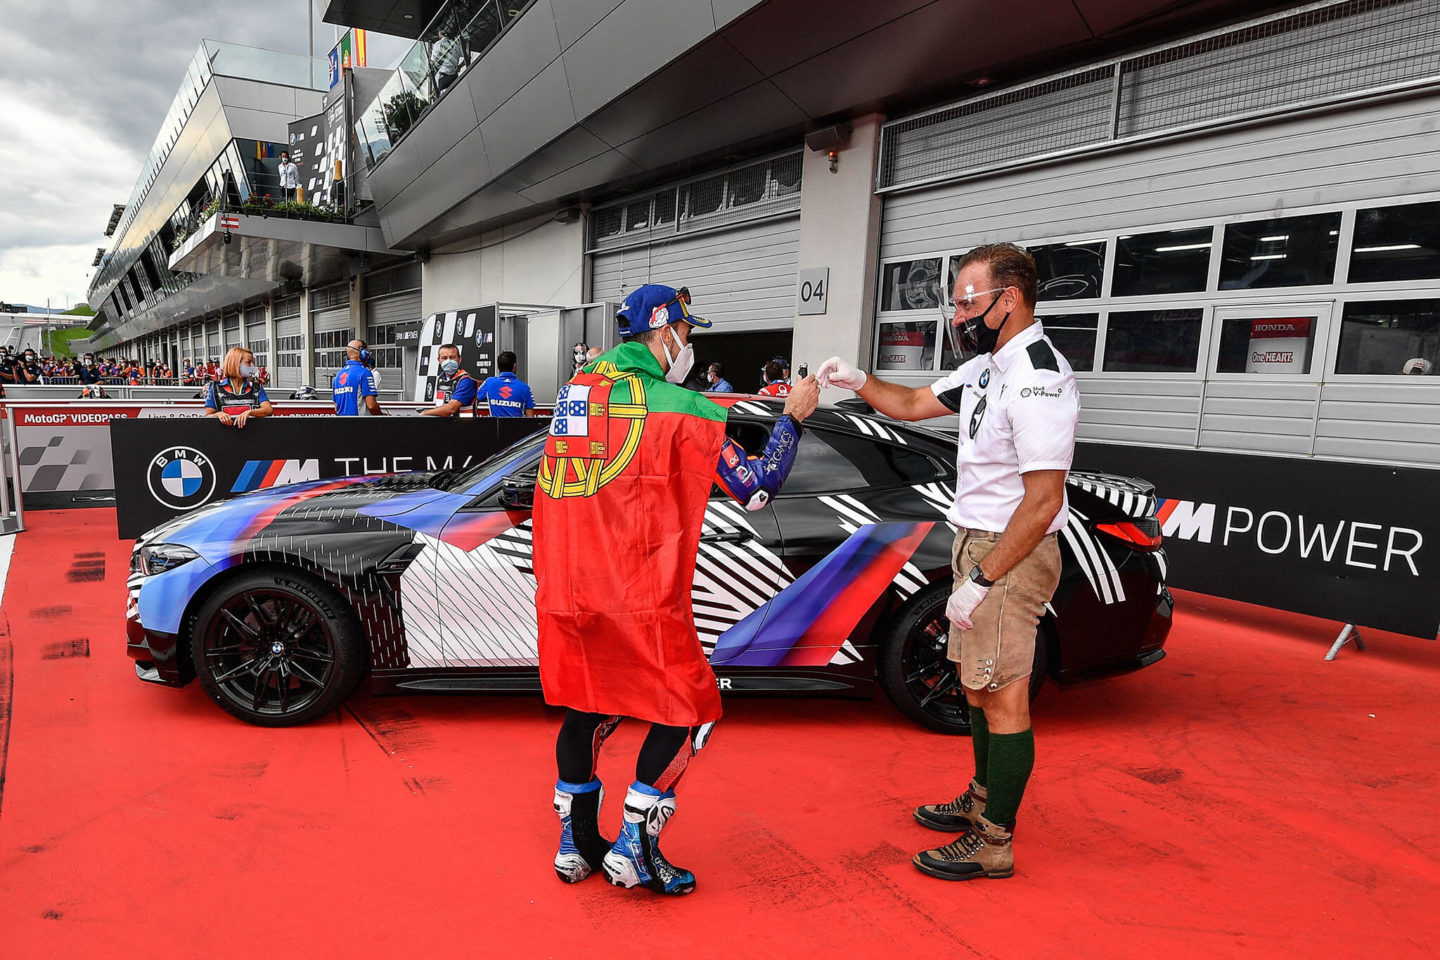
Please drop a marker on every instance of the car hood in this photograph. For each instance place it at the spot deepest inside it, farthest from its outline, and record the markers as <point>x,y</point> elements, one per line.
<point>223,529</point>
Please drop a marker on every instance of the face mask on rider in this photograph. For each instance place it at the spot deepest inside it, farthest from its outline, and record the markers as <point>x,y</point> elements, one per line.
<point>681,362</point>
<point>249,370</point>
<point>450,367</point>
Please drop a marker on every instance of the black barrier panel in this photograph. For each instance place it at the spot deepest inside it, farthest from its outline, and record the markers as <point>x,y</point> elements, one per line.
<point>166,467</point>
<point>1351,542</point>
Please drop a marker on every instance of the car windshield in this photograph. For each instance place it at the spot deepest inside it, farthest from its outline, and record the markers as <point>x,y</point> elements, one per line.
<point>475,480</point>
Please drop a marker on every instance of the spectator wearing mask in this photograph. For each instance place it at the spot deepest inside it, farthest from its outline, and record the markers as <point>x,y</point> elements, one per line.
<point>507,394</point>
<point>715,378</point>
<point>8,366</point>
<point>236,398</point>
<point>29,369</point>
<point>456,389</point>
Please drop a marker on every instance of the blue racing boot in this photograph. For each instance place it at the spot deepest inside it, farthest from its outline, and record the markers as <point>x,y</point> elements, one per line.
<point>581,846</point>
<point>635,859</point>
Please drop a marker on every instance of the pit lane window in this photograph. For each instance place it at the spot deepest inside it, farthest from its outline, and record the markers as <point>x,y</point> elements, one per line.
<point>1153,341</point>
<point>1170,261</point>
<point>1069,271</point>
<point>1074,336</point>
<point>1396,243</point>
<point>1283,252</point>
<point>1390,337</point>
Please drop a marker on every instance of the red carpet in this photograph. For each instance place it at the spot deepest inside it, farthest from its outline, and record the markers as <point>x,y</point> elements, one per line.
<point>1241,797</point>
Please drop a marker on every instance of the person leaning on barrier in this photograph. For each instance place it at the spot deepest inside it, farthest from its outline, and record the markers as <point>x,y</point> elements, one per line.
<point>1018,407</point>
<point>87,372</point>
<point>455,389</point>
<point>236,398</point>
<point>506,393</point>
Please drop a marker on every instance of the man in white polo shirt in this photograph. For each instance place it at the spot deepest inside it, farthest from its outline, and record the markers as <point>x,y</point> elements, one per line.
<point>1018,408</point>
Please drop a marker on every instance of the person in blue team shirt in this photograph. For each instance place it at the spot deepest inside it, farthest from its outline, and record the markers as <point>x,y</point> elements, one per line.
<point>715,378</point>
<point>353,382</point>
<point>507,394</point>
<point>456,389</point>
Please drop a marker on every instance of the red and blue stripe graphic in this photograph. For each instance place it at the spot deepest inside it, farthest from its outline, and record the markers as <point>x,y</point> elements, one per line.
<point>259,474</point>
<point>804,624</point>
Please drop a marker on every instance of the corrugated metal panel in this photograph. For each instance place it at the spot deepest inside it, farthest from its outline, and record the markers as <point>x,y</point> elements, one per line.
<point>1296,164</point>
<point>325,321</point>
<point>1139,411</point>
<point>1327,53</point>
<point>744,278</point>
<point>1259,415</point>
<point>1393,421</point>
<point>289,327</point>
<point>392,309</point>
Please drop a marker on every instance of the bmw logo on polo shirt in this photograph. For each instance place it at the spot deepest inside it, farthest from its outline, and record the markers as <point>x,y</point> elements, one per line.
<point>181,478</point>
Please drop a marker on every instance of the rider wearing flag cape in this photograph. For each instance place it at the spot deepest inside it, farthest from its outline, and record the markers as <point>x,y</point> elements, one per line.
<point>619,502</point>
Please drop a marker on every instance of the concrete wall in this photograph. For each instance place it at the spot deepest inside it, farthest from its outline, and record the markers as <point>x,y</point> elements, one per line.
<point>840,229</point>
<point>531,262</point>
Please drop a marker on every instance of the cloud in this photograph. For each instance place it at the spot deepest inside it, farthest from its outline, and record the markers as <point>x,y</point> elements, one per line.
<point>86,87</point>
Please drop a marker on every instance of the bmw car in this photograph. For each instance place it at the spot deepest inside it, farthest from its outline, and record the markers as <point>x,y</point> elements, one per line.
<point>282,601</point>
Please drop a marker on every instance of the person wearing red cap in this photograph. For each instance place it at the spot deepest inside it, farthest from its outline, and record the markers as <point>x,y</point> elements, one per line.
<point>619,501</point>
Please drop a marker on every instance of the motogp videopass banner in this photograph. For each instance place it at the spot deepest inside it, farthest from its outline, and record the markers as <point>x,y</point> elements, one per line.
<point>1358,543</point>
<point>166,467</point>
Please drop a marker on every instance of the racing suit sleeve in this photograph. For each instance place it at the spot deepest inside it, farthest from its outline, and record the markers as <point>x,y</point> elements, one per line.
<point>752,481</point>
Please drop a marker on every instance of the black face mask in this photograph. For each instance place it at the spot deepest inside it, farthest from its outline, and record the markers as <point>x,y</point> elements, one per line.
<point>977,334</point>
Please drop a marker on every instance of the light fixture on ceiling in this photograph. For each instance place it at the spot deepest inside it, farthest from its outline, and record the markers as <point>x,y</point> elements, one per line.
<point>1183,246</point>
<point>1389,247</point>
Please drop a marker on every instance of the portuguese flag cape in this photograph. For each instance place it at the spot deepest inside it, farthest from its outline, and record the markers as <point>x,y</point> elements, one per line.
<point>619,501</point>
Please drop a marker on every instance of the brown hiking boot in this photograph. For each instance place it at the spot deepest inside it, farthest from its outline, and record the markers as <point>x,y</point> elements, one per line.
<point>983,852</point>
<point>954,816</point>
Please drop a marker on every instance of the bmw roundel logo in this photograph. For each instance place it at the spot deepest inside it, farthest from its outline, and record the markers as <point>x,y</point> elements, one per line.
<point>984,378</point>
<point>181,478</point>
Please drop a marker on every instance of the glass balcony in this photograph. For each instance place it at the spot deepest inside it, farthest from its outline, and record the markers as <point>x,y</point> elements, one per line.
<point>458,36</point>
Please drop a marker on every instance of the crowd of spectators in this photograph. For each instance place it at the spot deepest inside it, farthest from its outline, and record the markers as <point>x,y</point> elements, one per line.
<point>22,367</point>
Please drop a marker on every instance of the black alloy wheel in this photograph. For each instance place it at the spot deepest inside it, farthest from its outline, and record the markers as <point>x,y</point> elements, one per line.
<point>915,670</point>
<point>277,648</point>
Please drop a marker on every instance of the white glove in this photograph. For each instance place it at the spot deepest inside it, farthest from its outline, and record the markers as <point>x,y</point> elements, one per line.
<point>962,603</point>
<point>837,373</point>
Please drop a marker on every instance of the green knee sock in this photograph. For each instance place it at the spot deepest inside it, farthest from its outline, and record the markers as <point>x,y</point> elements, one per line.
<point>980,740</point>
<point>1012,757</point>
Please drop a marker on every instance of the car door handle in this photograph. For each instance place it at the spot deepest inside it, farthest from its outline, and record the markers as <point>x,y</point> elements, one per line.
<point>728,536</point>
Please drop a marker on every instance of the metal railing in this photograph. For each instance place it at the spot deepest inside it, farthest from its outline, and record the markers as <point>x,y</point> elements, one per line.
<point>327,205</point>
<point>457,37</point>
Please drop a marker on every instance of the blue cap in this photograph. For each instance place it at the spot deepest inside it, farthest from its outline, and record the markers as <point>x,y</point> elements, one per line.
<point>653,306</point>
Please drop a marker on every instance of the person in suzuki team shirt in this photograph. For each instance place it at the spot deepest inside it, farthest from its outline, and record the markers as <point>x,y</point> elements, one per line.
<point>775,382</point>
<point>507,394</point>
<point>236,397</point>
<point>455,389</point>
<point>355,383</point>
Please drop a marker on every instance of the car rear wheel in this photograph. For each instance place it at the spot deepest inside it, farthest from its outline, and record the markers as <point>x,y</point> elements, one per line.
<point>277,648</point>
<point>918,676</point>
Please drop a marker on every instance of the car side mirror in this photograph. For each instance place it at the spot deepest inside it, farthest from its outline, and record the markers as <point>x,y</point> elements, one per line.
<point>517,493</point>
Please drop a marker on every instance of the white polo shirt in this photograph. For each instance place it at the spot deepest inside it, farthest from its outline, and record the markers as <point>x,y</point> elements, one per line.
<point>1018,409</point>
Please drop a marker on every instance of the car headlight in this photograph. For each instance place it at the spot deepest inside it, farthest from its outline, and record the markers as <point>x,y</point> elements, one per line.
<point>159,557</point>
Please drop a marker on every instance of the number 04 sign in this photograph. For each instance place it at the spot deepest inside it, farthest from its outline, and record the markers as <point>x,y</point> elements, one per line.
<point>812,290</point>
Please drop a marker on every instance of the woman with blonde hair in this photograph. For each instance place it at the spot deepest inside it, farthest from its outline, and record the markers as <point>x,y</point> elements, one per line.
<point>234,396</point>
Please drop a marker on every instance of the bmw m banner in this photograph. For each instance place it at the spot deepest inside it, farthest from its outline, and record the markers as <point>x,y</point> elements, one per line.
<point>164,468</point>
<point>1357,543</point>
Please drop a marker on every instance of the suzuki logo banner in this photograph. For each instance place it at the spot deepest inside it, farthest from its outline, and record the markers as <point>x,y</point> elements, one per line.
<point>1349,542</point>
<point>164,468</point>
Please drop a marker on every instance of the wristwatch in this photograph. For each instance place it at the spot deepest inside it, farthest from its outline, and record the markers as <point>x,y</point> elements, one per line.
<point>979,577</point>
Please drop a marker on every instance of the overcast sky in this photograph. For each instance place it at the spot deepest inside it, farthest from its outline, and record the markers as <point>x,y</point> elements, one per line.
<point>85,86</point>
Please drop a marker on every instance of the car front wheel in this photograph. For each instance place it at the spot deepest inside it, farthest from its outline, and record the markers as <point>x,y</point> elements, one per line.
<point>277,648</point>
<point>916,673</point>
